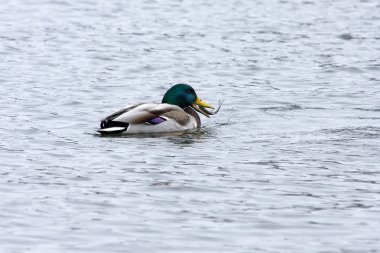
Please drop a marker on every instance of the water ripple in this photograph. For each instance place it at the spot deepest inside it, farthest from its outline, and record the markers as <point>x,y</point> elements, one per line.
<point>290,164</point>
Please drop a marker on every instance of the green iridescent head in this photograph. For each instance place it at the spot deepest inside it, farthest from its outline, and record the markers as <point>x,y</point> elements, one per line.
<point>182,95</point>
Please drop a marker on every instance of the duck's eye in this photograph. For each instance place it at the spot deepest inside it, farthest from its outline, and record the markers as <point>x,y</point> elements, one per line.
<point>189,91</point>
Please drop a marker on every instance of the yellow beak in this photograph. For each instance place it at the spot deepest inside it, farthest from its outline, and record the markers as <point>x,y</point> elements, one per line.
<point>203,104</point>
<point>200,106</point>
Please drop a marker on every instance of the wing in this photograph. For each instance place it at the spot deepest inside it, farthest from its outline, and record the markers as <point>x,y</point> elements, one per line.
<point>119,112</point>
<point>142,113</point>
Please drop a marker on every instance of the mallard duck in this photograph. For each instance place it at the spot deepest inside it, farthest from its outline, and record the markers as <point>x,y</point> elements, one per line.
<point>177,112</point>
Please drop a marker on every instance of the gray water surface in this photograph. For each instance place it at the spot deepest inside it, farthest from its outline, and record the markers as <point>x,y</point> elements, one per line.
<point>290,163</point>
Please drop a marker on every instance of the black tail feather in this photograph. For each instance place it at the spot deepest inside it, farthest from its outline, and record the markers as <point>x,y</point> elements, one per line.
<point>111,123</point>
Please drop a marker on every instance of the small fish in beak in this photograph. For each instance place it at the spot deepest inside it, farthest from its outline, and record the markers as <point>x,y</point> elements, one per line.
<point>200,106</point>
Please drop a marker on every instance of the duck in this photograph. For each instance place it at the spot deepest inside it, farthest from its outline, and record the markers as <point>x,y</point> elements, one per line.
<point>177,112</point>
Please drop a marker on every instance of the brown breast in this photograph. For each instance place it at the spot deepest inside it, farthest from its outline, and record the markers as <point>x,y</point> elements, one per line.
<point>193,113</point>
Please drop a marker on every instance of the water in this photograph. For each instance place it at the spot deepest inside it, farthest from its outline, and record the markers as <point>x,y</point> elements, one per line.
<point>290,164</point>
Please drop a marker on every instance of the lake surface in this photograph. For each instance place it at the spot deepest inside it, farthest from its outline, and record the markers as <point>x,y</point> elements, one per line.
<point>290,163</point>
